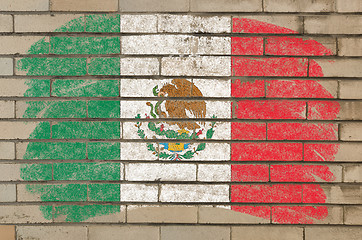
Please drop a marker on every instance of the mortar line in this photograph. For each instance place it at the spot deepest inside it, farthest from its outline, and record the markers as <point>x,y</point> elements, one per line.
<point>175,224</point>
<point>220,13</point>
<point>13,23</point>
<point>304,233</point>
<point>195,34</point>
<point>173,55</point>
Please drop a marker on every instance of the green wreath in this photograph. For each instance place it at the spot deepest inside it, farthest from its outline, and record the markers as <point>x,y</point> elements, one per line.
<point>172,134</point>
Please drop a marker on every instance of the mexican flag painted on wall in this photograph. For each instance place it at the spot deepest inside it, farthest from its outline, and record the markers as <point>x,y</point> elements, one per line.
<point>177,118</point>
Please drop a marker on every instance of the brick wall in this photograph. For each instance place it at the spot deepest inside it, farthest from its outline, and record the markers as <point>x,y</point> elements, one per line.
<point>180,119</point>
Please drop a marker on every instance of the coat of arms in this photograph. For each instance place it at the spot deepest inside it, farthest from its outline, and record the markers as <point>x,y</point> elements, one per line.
<point>169,107</point>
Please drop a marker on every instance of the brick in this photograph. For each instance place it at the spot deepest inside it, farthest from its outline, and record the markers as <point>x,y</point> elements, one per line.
<point>154,6</point>
<point>138,23</point>
<point>7,232</point>
<point>139,193</point>
<point>352,173</point>
<point>213,87</point>
<point>103,150</point>
<point>210,45</point>
<point>6,66</point>
<point>103,213</point>
<point>299,6</point>
<point>85,45</point>
<point>53,232</point>
<point>278,193</point>
<point>351,132</point>
<point>194,232</point>
<point>141,87</point>
<point>10,172</point>
<point>104,109</point>
<point>220,109</point>
<point>247,88</point>
<point>350,46</point>
<point>84,5</point>
<point>18,5</point>
<point>348,6</point>
<point>7,150</point>
<point>52,192</point>
<point>352,215</point>
<point>248,131</point>
<point>195,66</point>
<point>193,24</point>
<point>6,23</point>
<point>104,192</point>
<point>307,215</point>
<point>324,110</point>
<point>7,109</point>
<point>350,111</point>
<point>332,233</point>
<point>125,232</point>
<point>267,233</point>
<point>160,172</point>
<point>266,151</point>
<point>52,66</point>
<point>301,89</point>
<point>22,214</point>
<point>300,46</point>
<point>345,152</point>
<point>25,195</point>
<point>282,67</point>
<point>268,24</point>
<point>46,23</point>
<point>85,88</point>
<point>21,87</point>
<point>156,44</point>
<point>139,66</point>
<point>103,23</point>
<point>214,173</point>
<point>302,131</point>
<point>350,89</point>
<point>223,132</point>
<point>19,44</point>
<point>88,171</point>
<point>340,24</point>
<point>336,194</point>
<point>247,45</point>
<point>335,68</point>
<point>51,109</point>
<point>249,173</point>
<point>214,152</point>
<point>51,150</point>
<point>130,109</point>
<point>131,151</point>
<point>263,213</point>
<point>36,172</point>
<point>86,130</point>
<point>305,173</point>
<point>104,66</point>
<point>162,214</point>
<point>270,109</point>
<point>7,193</point>
<point>226,6</point>
<point>223,215</point>
<point>194,193</point>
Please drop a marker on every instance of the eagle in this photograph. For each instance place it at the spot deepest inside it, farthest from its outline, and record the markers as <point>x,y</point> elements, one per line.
<point>178,108</point>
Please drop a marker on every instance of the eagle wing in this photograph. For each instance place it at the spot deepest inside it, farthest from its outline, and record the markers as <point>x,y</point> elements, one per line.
<point>187,88</point>
<point>197,108</point>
